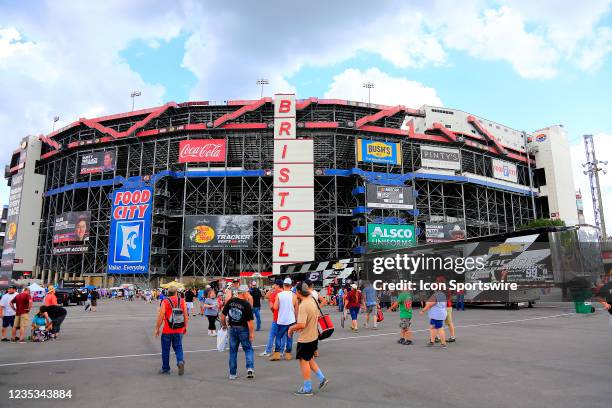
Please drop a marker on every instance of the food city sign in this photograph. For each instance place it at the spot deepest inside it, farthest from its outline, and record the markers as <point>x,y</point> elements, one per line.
<point>293,206</point>
<point>202,151</point>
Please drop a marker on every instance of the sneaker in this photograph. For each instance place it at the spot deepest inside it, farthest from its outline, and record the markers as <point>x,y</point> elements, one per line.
<point>21,341</point>
<point>375,328</point>
<point>401,341</point>
<point>443,345</point>
<point>407,342</point>
<point>430,344</point>
<point>264,354</point>
<point>250,373</point>
<point>288,356</point>
<point>275,356</point>
<point>437,339</point>
<point>181,368</point>
<point>451,340</point>
<point>163,372</point>
<point>4,339</point>
<point>233,376</point>
<point>302,392</point>
<point>323,384</point>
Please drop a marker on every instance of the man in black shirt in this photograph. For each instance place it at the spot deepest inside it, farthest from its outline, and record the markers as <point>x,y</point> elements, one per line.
<point>605,297</point>
<point>256,295</point>
<point>238,315</point>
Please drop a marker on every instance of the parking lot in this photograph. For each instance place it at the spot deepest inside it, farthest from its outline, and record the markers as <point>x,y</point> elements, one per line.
<point>546,356</point>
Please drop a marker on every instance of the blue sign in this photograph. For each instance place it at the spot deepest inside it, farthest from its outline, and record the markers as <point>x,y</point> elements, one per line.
<point>375,151</point>
<point>130,232</point>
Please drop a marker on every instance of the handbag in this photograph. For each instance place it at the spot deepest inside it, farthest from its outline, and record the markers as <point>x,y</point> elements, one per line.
<point>221,339</point>
<point>325,325</point>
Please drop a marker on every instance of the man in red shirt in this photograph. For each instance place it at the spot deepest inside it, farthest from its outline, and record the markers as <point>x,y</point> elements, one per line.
<point>276,289</point>
<point>171,336</point>
<point>21,304</point>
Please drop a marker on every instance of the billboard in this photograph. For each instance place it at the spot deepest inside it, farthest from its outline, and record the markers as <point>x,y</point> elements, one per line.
<point>375,151</point>
<point>70,232</point>
<point>98,162</point>
<point>218,232</point>
<point>202,151</point>
<point>444,231</point>
<point>130,231</point>
<point>389,197</point>
<point>504,170</point>
<point>440,158</point>
<point>385,236</point>
<point>12,220</point>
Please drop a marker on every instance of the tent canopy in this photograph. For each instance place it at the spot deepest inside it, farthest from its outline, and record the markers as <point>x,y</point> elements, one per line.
<point>173,284</point>
<point>35,287</point>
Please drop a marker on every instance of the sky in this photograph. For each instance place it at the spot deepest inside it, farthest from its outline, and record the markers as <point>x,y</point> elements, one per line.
<point>523,63</point>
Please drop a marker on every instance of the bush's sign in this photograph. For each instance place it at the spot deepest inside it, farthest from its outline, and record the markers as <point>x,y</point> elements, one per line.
<point>130,232</point>
<point>97,162</point>
<point>374,151</point>
<point>504,170</point>
<point>440,158</point>
<point>389,197</point>
<point>218,231</point>
<point>202,151</point>
<point>385,236</point>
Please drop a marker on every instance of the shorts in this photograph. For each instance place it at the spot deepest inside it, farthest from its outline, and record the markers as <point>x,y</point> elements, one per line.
<point>189,305</point>
<point>8,321</point>
<point>371,309</point>
<point>404,323</point>
<point>22,321</point>
<point>306,351</point>
<point>449,316</point>
<point>354,312</point>
<point>437,324</point>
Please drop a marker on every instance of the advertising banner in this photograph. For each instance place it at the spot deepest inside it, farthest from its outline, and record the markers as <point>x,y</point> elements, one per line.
<point>389,197</point>
<point>98,162</point>
<point>385,236</point>
<point>504,170</point>
<point>12,220</point>
<point>218,232</point>
<point>202,151</point>
<point>440,158</point>
<point>130,231</point>
<point>444,231</point>
<point>71,232</point>
<point>375,151</point>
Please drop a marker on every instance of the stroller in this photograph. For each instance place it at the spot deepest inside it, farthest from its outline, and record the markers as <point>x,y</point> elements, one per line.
<point>41,334</point>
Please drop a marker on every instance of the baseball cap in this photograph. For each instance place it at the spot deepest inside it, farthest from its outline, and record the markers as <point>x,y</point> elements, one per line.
<point>303,289</point>
<point>13,287</point>
<point>287,281</point>
<point>236,280</point>
<point>243,289</point>
<point>207,286</point>
<point>278,282</point>
<point>51,289</point>
<point>354,286</point>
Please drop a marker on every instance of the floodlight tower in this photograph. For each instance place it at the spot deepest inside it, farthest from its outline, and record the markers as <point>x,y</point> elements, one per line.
<point>593,167</point>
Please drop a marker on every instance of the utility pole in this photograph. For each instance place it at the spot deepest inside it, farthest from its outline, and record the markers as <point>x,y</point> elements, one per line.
<point>133,95</point>
<point>369,86</point>
<point>262,82</point>
<point>593,168</point>
<point>533,204</point>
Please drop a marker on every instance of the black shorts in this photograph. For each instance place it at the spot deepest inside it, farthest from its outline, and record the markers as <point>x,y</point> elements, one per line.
<point>305,351</point>
<point>8,321</point>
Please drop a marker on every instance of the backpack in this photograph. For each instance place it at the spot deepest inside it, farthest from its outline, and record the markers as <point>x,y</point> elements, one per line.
<point>177,316</point>
<point>326,327</point>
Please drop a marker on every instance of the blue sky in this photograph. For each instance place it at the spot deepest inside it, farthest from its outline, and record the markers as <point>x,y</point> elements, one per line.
<point>522,63</point>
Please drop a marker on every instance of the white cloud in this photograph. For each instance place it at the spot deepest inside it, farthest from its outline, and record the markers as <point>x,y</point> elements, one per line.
<point>388,90</point>
<point>603,150</point>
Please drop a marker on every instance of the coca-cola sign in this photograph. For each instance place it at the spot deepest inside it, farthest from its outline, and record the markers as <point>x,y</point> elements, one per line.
<point>202,151</point>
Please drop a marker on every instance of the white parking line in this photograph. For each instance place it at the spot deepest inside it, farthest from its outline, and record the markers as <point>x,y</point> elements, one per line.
<point>263,345</point>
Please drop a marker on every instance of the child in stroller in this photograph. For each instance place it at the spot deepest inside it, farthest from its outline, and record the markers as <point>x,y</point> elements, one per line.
<point>41,325</point>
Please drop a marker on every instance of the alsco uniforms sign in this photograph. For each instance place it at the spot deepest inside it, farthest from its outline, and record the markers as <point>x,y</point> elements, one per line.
<point>375,151</point>
<point>385,236</point>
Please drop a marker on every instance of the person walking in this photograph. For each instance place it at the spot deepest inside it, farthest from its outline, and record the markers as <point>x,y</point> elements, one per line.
<point>436,311</point>
<point>173,316</point>
<point>404,302</point>
<point>370,304</point>
<point>7,312</point>
<point>286,304</point>
<point>460,302</point>
<point>189,295</point>
<point>211,311</point>
<point>352,303</point>
<point>276,289</point>
<point>308,341</point>
<point>238,315</point>
<point>255,293</point>
<point>21,304</point>
<point>94,300</point>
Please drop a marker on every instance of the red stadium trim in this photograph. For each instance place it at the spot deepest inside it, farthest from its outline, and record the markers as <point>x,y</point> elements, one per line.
<point>321,125</point>
<point>380,129</point>
<point>305,103</point>
<point>474,122</point>
<point>239,112</point>
<point>442,129</point>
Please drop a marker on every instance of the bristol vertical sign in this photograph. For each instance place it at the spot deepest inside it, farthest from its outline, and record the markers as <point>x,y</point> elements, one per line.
<point>293,207</point>
<point>130,231</point>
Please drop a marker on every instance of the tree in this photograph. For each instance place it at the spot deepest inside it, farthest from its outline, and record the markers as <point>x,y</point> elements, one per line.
<point>541,223</point>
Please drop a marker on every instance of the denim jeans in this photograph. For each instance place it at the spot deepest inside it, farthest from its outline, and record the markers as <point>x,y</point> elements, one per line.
<point>272,337</point>
<point>282,338</point>
<point>257,318</point>
<point>240,335</point>
<point>460,302</point>
<point>176,341</point>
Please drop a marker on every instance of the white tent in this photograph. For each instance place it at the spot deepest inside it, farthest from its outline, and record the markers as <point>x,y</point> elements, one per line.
<point>36,288</point>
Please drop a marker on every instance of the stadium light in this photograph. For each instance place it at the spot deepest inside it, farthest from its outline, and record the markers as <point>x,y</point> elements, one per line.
<point>369,86</point>
<point>55,119</point>
<point>262,82</point>
<point>133,95</point>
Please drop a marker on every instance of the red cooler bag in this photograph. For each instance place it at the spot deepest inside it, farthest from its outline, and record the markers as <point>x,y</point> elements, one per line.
<point>326,327</point>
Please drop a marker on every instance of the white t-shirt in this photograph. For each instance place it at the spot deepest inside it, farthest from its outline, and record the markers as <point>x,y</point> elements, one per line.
<point>314,294</point>
<point>5,303</point>
<point>286,312</point>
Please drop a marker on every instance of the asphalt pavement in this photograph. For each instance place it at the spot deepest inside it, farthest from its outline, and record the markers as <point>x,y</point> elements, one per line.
<point>547,356</point>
